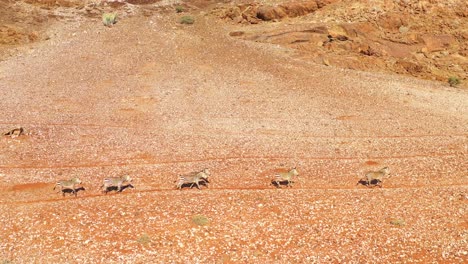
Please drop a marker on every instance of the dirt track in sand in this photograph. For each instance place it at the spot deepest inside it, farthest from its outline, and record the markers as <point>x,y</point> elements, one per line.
<point>155,99</point>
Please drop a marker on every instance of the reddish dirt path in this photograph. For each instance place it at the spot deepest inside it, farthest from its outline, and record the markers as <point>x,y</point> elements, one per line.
<point>154,99</point>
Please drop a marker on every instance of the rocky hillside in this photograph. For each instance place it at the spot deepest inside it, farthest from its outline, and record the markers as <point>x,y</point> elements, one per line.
<point>424,39</point>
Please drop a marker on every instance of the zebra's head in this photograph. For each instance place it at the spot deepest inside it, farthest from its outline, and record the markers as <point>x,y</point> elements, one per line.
<point>76,180</point>
<point>207,172</point>
<point>294,171</point>
<point>126,178</point>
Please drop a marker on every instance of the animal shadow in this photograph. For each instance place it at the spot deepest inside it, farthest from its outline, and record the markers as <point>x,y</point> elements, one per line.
<point>71,192</point>
<point>192,185</point>
<point>281,183</point>
<point>15,132</point>
<point>374,183</point>
<point>115,188</point>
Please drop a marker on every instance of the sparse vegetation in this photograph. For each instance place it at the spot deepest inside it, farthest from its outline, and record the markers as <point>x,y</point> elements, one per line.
<point>453,81</point>
<point>109,19</point>
<point>179,9</point>
<point>188,20</point>
<point>397,222</point>
<point>200,220</point>
<point>144,239</point>
<point>156,99</point>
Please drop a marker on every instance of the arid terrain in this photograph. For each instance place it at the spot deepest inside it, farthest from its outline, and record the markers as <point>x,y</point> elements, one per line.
<point>250,89</point>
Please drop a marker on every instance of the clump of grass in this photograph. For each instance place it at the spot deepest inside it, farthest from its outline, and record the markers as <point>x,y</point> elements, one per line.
<point>397,222</point>
<point>109,19</point>
<point>200,220</point>
<point>144,239</point>
<point>453,81</point>
<point>188,20</point>
<point>179,9</point>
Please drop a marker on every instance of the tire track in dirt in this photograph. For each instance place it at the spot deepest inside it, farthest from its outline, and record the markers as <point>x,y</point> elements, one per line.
<point>223,159</point>
<point>155,131</point>
<point>249,189</point>
<point>233,133</point>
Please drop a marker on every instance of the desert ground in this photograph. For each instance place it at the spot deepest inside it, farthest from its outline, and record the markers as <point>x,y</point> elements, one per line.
<point>153,98</point>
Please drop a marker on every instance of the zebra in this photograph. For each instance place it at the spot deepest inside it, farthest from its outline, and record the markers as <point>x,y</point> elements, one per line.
<point>194,178</point>
<point>115,182</point>
<point>70,185</point>
<point>285,177</point>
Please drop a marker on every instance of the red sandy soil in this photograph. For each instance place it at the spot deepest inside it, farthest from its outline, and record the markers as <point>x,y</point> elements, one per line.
<point>152,98</point>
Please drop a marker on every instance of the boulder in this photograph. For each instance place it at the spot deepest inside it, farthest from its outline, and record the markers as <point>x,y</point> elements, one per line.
<point>293,9</point>
<point>410,67</point>
<point>268,13</point>
<point>434,43</point>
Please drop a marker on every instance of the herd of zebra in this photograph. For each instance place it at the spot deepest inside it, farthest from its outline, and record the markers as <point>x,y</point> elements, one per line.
<point>197,178</point>
<point>371,178</point>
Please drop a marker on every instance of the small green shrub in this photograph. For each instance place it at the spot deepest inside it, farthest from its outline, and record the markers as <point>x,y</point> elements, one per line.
<point>453,81</point>
<point>187,20</point>
<point>179,9</point>
<point>144,239</point>
<point>397,222</point>
<point>109,19</point>
<point>200,220</point>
